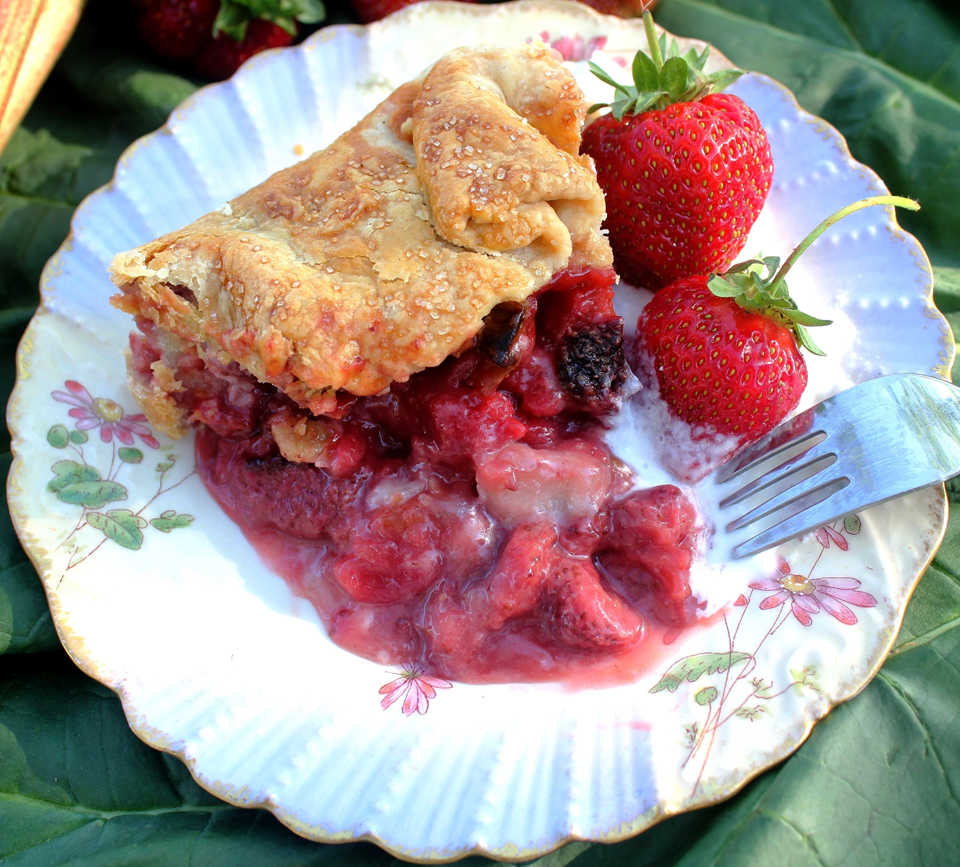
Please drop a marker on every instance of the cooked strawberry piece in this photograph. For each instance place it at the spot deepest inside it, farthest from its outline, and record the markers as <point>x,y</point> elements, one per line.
<point>326,443</point>
<point>456,633</point>
<point>578,363</point>
<point>582,613</point>
<point>650,547</point>
<point>467,424</point>
<point>591,364</point>
<point>264,490</point>
<point>538,386</point>
<point>395,555</point>
<point>508,332</point>
<point>520,484</point>
<point>575,301</point>
<point>514,586</point>
<point>398,637</point>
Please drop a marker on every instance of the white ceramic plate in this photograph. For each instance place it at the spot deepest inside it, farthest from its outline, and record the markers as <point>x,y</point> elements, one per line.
<point>158,595</point>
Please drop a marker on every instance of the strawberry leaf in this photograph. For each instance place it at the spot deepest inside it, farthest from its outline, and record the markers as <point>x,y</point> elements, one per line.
<point>663,77</point>
<point>606,79</point>
<point>724,287</point>
<point>234,15</point>
<point>723,78</point>
<point>674,75</point>
<point>806,341</point>
<point>803,318</point>
<point>645,74</point>
<point>232,20</point>
<point>756,285</point>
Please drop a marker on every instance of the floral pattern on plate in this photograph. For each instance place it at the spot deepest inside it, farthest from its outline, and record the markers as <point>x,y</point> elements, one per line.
<point>78,482</point>
<point>739,691</point>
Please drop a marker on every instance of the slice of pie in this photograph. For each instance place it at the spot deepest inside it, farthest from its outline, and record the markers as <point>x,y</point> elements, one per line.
<point>398,355</point>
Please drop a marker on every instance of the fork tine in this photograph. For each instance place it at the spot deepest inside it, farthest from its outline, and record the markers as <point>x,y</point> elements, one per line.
<point>759,493</point>
<point>812,509</point>
<point>786,441</point>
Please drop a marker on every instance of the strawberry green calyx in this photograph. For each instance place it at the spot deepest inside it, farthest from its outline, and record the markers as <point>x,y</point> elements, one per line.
<point>759,285</point>
<point>663,77</point>
<point>234,15</point>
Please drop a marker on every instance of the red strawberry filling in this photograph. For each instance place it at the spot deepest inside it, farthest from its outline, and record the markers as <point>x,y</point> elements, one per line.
<point>471,519</point>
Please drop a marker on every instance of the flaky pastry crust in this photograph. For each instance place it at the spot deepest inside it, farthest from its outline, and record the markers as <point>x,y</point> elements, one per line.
<point>380,255</point>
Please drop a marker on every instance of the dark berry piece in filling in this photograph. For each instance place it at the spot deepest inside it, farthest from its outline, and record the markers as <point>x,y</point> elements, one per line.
<point>591,365</point>
<point>502,330</point>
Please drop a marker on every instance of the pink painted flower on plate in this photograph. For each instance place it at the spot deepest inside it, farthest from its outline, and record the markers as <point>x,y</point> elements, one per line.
<point>827,535</point>
<point>808,596</point>
<point>574,47</point>
<point>414,687</point>
<point>92,412</point>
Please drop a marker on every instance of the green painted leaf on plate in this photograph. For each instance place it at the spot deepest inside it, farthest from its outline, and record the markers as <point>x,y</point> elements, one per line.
<point>92,494</point>
<point>58,436</point>
<point>120,525</point>
<point>706,695</point>
<point>171,520</point>
<point>66,473</point>
<point>692,668</point>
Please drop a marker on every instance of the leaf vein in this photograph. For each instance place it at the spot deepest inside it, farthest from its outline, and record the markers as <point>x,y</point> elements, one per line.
<point>805,838</point>
<point>926,637</point>
<point>845,25</point>
<point>927,739</point>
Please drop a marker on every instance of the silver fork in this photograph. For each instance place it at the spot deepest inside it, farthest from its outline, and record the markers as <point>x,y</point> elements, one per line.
<point>879,439</point>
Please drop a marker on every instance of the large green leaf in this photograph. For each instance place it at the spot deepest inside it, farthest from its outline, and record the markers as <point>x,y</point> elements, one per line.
<point>877,782</point>
<point>25,623</point>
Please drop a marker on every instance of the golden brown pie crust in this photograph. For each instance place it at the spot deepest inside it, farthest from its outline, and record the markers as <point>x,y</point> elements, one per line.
<point>380,255</point>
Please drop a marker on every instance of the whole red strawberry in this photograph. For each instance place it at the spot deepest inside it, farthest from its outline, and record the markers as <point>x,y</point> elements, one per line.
<point>213,37</point>
<point>223,55</point>
<point>717,364</point>
<point>685,171</point>
<point>726,349</point>
<point>176,30</point>
<point>374,10</point>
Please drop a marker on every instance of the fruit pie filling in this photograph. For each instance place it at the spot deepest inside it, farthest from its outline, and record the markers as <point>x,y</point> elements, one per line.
<point>472,519</point>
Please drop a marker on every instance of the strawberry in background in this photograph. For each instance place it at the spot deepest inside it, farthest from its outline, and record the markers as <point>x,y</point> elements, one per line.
<point>685,169</point>
<point>212,38</point>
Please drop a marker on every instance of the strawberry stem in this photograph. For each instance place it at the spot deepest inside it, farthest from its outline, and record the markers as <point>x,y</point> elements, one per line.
<point>898,201</point>
<point>652,42</point>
